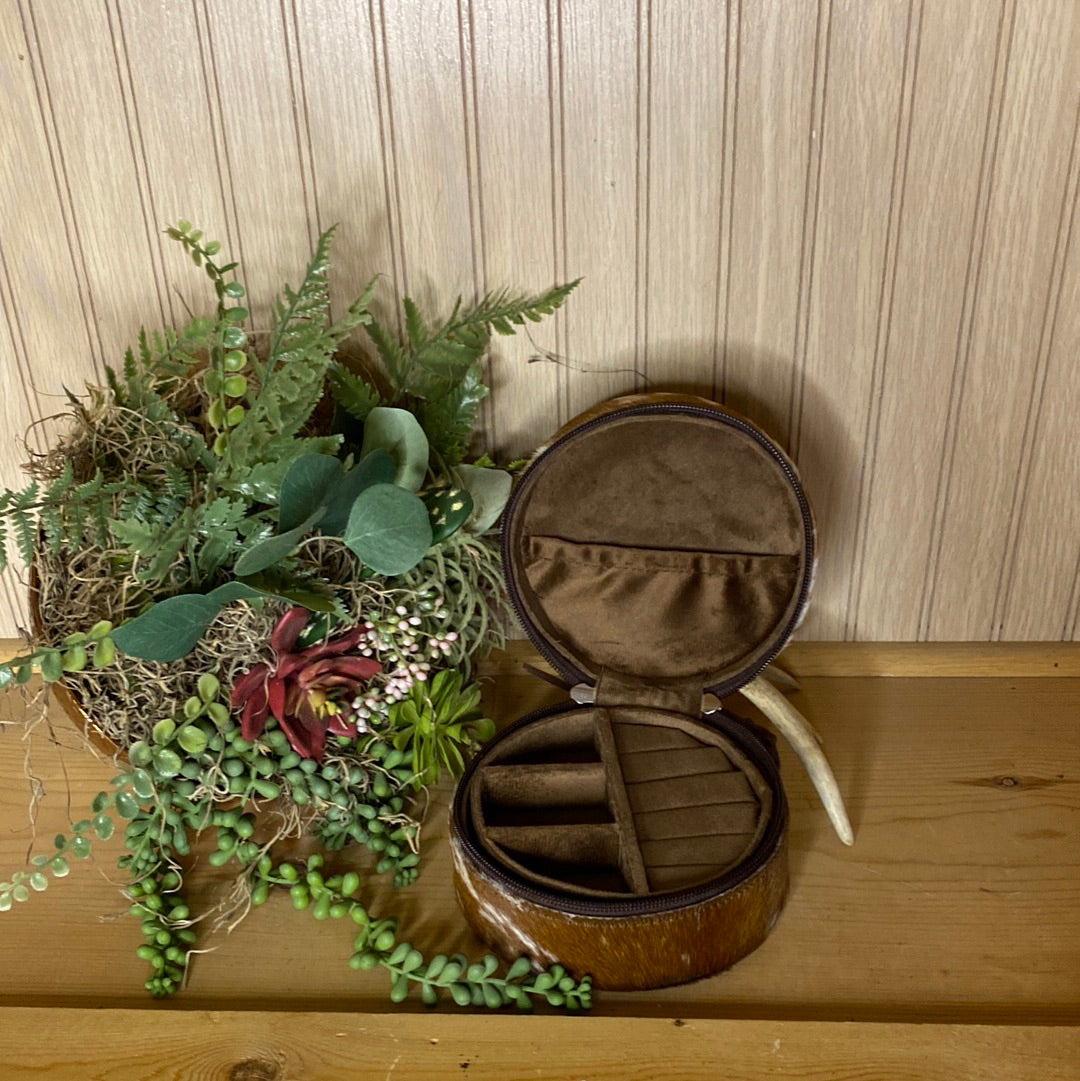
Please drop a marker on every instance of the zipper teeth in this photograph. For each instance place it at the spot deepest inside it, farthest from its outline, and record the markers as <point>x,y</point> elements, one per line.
<point>662,902</point>
<point>564,665</point>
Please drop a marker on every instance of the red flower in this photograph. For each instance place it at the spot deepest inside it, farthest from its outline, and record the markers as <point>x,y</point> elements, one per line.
<point>309,693</point>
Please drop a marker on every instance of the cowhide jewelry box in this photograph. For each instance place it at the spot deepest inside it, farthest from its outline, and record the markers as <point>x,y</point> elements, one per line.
<point>659,550</point>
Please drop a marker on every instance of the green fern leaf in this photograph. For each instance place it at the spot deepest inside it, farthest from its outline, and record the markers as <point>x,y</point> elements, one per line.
<point>414,324</point>
<point>390,353</point>
<point>448,421</point>
<point>352,393</point>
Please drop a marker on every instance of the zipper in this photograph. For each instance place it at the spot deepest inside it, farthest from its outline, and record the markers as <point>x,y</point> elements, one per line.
<point>566,667</point>
<point>732,727</point>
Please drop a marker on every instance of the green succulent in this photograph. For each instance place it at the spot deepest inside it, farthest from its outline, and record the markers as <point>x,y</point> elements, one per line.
<point>436,722</point>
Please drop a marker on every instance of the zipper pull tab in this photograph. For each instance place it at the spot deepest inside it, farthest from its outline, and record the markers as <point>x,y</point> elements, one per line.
<point>583,693</point>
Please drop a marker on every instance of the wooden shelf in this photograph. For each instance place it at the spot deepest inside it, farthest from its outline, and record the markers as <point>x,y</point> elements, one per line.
<point>946,942</point>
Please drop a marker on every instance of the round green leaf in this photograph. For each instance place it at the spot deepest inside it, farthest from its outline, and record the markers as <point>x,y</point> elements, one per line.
<point>166,762</point>
<point>38,881</point>
<point>398,432</point>
<point>377,468</point>
<point>126,807</point>
<point>59,867</point>
<point>52,667</point>
<point>169,629</point>
<point>388,529</point>
<point>103,827</point>
<point>209,685</point>
<point>164,730</point>
<point>139,755</point>
<point>80,847</point>
<point>142,784</point>
<point>192,738</point>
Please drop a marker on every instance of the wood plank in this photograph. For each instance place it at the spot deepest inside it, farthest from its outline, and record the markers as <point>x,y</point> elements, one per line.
<point>916,342</point>
<point>808,659</point>
<point>909,659</point>
<point>143,1046</point>
<point>1004,361</point>
<point>423,66</point>
<point>1035,596</point>
<point>689,111</point>
<point>515,99</point>
<point>959,902</point>
<point>266,156</point>
<point>599,68</point>
<point>341,73</point>
<point>869,55</point>
<point>776,141</point>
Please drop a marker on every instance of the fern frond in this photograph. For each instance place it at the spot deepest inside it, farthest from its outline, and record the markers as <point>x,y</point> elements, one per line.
<point>502,310</point>
<point>390,353</point>
<point>448,421</point>
<point>352,393</point>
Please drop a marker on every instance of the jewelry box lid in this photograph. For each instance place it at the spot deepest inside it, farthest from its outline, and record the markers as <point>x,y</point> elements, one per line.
<point>660,538</point>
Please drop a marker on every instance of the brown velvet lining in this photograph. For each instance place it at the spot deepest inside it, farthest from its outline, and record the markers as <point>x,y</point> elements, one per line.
<point>666,546</point>
<point>618,802</point>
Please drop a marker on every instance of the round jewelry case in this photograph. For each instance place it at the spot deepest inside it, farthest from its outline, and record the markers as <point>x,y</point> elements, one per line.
<point>659,549</point>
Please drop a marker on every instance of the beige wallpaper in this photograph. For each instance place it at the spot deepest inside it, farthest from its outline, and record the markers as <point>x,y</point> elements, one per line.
<point>853,220</point>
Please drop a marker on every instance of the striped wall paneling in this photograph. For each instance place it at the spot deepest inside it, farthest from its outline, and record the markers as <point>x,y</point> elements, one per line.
<point>854,221</point>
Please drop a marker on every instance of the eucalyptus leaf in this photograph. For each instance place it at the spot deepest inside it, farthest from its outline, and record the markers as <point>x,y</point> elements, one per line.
<point>399,433</point>
<point>377,468</point>
<point>304,488</point>
<point>388,529</point>
<point>274,549</point>
<point>169,629</point>
<point>490,489</point>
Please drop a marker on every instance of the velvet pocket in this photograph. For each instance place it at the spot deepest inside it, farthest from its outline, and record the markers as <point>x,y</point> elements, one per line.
<point>660,613</point>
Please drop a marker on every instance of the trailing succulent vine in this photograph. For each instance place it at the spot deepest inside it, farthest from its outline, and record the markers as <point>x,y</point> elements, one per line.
<point>270,603</point>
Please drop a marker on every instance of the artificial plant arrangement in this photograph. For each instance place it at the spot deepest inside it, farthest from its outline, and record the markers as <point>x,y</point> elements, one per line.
<point>261,575</point>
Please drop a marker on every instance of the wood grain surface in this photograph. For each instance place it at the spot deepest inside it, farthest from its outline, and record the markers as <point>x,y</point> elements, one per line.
<point>944,944</point>
<point>958,903</point>
<point>207,1046</point>
<point>851,219</point>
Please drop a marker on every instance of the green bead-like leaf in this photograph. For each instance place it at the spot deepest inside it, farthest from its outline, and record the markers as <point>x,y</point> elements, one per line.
<point>388,529</point>
<point>163,731</point>
<point>52,667</point>
<point>139,754</point>
<point>209,686</point>
<point>218,713</point>
<point>125,804</point>
<point>142,784</point>
<point>519,969</point>
<point>399,433</point>
<point>103,827</point>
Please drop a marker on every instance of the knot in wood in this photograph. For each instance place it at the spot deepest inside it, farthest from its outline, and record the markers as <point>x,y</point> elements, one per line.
<point>255,1069</point>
